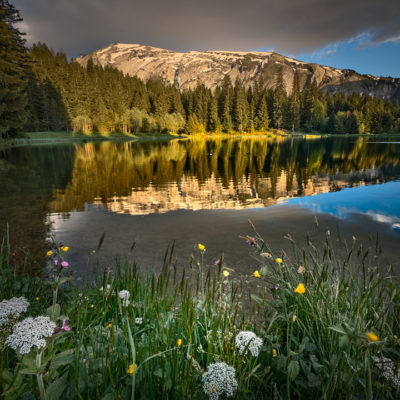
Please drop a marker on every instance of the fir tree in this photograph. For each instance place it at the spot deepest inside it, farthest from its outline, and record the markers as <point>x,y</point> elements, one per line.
<point>13,76</point>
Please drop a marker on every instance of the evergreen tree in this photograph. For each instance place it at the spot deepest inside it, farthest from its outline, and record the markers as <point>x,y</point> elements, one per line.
<point>13,74</point>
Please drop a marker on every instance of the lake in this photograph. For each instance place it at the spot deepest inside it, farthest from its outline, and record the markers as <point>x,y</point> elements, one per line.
<point>190,191</point>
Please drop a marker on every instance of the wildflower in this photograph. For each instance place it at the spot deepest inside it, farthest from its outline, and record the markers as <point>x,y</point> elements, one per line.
<point>124,296</point>
<point>395,337</point>
<point>92,305</point>
<point>278,260</point>
<point>52,275</point>
<point>274,353</point>
<point>198,263</point>
<point>65,326</point>
<point>389,370</point>
<point>179,342</point>
<point>132,368</point>
<point>250,240</point>
<point>294,317</point>
<point>65,264</point>
<point>107,290</point>
<point>372,337</point>
<point>55,262</point>
<point>225,273</point>
<point>138,321</point>
<point>201,247</point>
<point>103,312</point>
<point>64,248</point>
<point>257,274</point>
<point>301,270</point>
<point>110,325</point>
<point>37,298</point>
<point>219,379</point>
<point>12,308</point>
<point>247,340</point>
<point>300,289</point>
<point>29,333</point>
<point>216,262</point>
<point>93,251</point>
<point>49,253</point>
<point>276,287</point>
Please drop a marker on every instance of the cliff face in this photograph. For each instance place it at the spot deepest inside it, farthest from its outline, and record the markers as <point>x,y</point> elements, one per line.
<point>188,70</point>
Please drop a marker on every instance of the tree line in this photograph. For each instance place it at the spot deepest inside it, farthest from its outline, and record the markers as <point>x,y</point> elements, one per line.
<point>41,90</point>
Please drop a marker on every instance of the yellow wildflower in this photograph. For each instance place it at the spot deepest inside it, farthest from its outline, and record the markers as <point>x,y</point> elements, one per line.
<point>225,273</point>
<point>64,248</point>
<point>103,312</point>
<point>294,317</point>
<point>300,289</point>
<point>372,337</point>
<point>49,253</point>
<point>110,325</point>
<point>37,298</point>
<point>395,337</point>
<point>93,251</point>
<point>131,369</point>
<point>274,353</point>
<point>201,247</point>
<point>257,274</point>
<point>92,305</point>
<point>278,260</point>
<point>179,342</point>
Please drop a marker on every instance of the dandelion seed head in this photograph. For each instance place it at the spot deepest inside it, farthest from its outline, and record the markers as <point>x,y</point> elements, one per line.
<point>389,370</point>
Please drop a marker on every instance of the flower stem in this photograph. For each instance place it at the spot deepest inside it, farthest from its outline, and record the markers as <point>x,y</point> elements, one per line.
<point>39,375</point>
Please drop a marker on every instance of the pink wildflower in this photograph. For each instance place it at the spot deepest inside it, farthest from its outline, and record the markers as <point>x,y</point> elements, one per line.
<point>65,326</point>
<point>65,264</point>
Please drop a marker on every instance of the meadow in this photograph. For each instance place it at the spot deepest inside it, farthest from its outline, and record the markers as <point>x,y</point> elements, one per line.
<point>310,326</point>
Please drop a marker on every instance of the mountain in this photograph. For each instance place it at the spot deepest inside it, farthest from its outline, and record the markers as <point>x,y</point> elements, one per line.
<point>190,69</point>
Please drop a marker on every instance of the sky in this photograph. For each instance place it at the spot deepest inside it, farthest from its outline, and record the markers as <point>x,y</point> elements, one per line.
<point>363,35</point>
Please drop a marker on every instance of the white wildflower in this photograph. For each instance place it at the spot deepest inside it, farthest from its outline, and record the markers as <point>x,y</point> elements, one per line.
<point>138,321</point>
<point>389,371</point>
<point>30,332</point>
<point>218,379</point>
<point>124,296</point>
<point>12,308</point>
<point>107,290</point>
<point>248,340</point>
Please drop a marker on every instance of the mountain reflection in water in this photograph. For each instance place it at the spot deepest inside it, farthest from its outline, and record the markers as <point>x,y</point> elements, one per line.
<point>144,178</point>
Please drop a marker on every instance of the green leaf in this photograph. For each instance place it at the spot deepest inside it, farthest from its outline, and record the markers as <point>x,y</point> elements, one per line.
<point>257,299</point>
<point>64,358</point>
<point>55,390</point>
<point>64,279</point>
<point>109,396</point>
<point>57,311</point>
<point>338,329</point>
<point>293,370</point>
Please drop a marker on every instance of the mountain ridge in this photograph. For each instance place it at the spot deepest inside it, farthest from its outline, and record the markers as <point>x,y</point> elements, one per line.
<point>186,70</point>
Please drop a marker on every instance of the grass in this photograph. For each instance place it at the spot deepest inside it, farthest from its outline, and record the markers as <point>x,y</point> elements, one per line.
<point>315,344</point>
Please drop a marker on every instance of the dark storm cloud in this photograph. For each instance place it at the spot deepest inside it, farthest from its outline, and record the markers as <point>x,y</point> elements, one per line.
<point>288,26</point>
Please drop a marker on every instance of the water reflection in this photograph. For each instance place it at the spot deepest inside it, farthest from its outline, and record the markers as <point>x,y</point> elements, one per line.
<point>144,178</point>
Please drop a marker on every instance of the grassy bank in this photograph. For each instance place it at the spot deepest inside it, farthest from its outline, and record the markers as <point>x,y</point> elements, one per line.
<point>326,329</point>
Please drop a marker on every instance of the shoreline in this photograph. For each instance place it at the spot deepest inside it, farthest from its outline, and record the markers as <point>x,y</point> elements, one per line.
<point>48,138</point>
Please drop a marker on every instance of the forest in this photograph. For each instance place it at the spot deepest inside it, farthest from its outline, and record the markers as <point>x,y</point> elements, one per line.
<point>41,90</point>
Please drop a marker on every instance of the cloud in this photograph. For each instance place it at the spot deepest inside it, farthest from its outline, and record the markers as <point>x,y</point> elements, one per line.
<point>288,26</point>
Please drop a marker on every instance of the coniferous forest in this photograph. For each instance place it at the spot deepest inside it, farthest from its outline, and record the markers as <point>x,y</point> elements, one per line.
<point>41,90</point>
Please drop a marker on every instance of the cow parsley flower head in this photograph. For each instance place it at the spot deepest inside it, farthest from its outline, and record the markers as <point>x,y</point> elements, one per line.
<point>12,308</point>
<point>124,296</point>
<point>30,332</point>
<point>389,371</point>
<point>218,379</point>
<point>248,340</point>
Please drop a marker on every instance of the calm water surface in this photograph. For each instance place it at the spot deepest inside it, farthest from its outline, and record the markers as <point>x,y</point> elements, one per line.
<point>198,191</point>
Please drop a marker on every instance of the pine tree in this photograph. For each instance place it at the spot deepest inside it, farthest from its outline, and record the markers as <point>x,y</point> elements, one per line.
<point>13,75</point>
